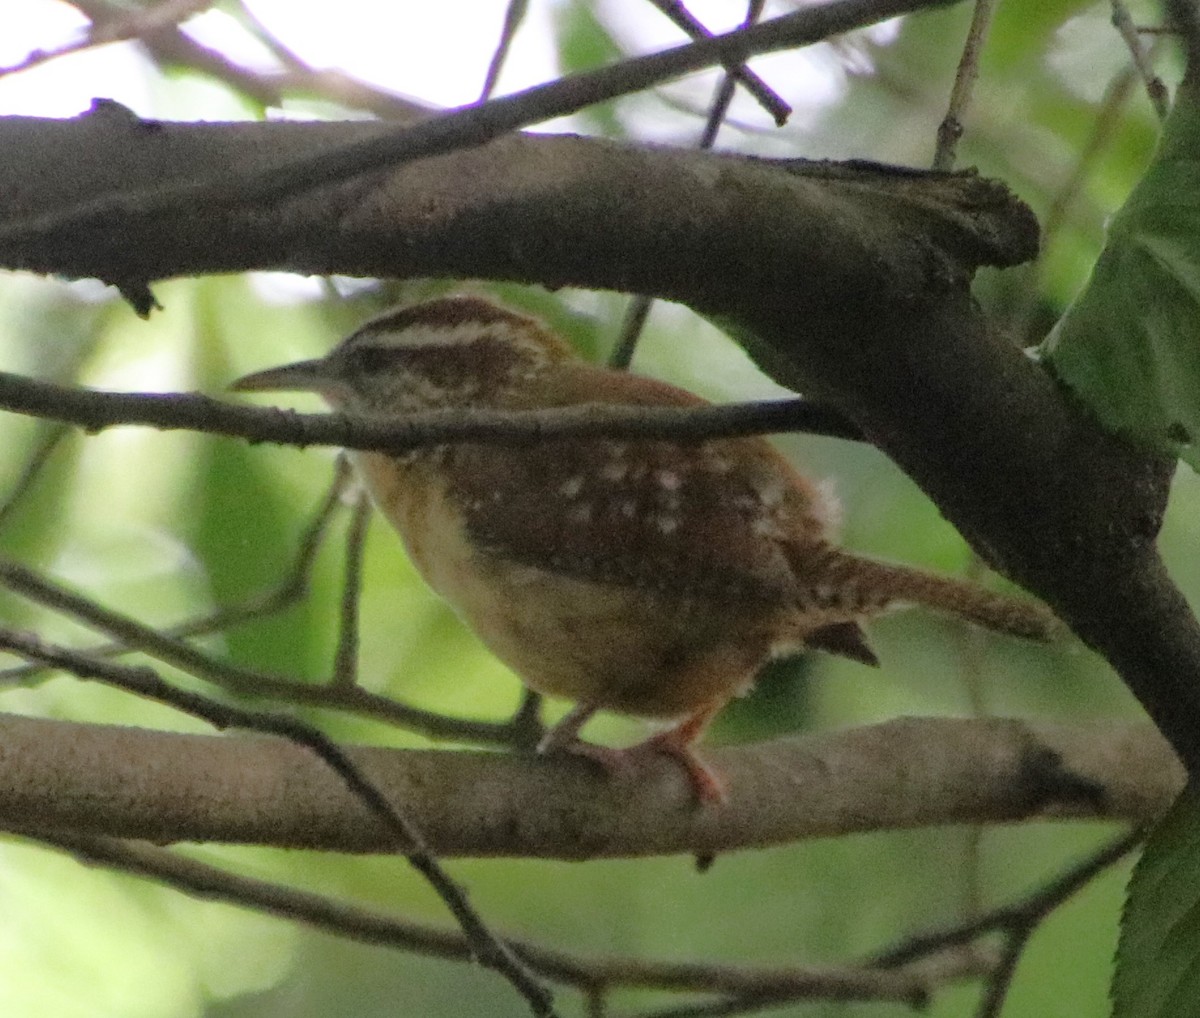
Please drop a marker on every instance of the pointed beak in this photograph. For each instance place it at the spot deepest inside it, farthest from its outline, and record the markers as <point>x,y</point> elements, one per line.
<point>302,376</point>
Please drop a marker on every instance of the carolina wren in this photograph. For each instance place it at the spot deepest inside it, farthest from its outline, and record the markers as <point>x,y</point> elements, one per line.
<point>645,577</point>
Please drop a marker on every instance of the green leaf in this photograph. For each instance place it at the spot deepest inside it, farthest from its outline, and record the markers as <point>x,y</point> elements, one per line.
<point>1158,956</point>
<point>1129,346</point>
<point>583,40</point>
<point>584,43</point>
<point>241,516</point>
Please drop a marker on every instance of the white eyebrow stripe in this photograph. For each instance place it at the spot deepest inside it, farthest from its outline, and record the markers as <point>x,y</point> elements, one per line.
<point>457,335</point>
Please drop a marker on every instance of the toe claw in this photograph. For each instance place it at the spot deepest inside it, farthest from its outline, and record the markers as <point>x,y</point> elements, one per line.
<point>706,782</point>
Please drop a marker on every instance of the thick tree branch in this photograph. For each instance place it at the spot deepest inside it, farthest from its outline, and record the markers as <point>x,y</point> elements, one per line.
<point>403,835</point>
<point>848,282</point>
<point>165,787</point>
<point>532,208</point>
<point>1034,484</point>
<point>472,125</point>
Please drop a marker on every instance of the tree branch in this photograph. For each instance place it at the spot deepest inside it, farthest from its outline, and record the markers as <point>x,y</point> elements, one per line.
<point>94,411</point>
<point>459,214</point>
<point>1018,921</point>
<point>766,97</point>
<point>133,635</point>
<point>909,971</point>
<point>402,834</point>
<point>846,282</point>
<point>164,787</point>
<point>909,984</point>
<point>473,125</point>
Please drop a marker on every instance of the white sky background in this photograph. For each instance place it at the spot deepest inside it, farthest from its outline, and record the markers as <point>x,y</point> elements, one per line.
<point>437,52</point>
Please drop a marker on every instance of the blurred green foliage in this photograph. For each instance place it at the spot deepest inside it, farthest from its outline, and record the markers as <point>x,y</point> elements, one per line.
<point>166,526</point>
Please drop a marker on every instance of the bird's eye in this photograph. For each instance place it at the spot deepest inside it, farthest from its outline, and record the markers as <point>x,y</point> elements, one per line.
<point>371,359</point>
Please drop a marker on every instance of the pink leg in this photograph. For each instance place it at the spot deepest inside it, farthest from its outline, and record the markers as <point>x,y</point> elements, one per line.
<point>566,732</point>
<point>564,738</point>
<point>677,742</point>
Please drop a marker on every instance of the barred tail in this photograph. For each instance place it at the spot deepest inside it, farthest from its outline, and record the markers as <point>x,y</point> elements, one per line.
<point>878,585</point>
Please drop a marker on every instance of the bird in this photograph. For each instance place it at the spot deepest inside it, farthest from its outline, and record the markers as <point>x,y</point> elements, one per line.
<point>652,578</point>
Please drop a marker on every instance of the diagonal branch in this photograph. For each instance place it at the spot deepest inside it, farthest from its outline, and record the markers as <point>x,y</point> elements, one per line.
<point>120,25</point>
<point>134,635</point>
<point>638,310</point>
<point>766,97</point>
<point>208,882</point>
<point>514,14</point>
<point>476,125</point>
<point>1018,921</point>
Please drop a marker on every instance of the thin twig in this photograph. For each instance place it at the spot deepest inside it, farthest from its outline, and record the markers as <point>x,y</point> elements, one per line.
<point>514,14</point>
<point>721,101</point>
<point>767,97</point>
<point>345,661</point>
<point>636,313</point>
<point>122,25</point>
<point>48,437</point>
<point>1023,913</point>
<point>287,56</point>
<point>137,636</point>
<point>951,128</point>
<point>94,411</point>
<point>170,47</point>
<point>1017,921</point>
<point>469,126</point>
<point>145,682</point>
<point>949,966</point>
<point>1160,98</point>
<point>996,987</point>
<point>265,603</point>
<point>1020,922</point>
<point>208,882</point>
<point>639,308</point>
<point>37,57</point>
<point>31,471</point>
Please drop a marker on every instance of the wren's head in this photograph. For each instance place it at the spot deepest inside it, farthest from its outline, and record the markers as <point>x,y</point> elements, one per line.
<point>453,351</point>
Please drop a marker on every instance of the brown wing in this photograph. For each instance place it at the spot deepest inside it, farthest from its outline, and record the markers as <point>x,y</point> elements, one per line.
<point>706,519</point>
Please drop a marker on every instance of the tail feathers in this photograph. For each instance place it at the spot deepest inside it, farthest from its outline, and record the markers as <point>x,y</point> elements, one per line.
<point>844,638</point>
<point>867,586</point>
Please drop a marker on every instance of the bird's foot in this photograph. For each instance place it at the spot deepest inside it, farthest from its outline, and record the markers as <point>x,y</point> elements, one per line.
<point>677,742</point>
<point>620,764</point>
<point>705,781</point>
